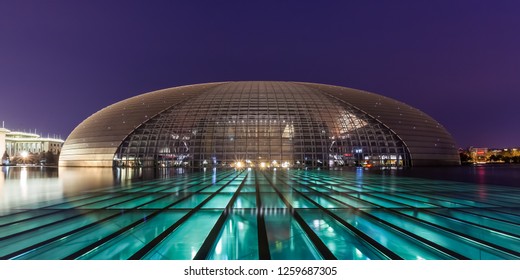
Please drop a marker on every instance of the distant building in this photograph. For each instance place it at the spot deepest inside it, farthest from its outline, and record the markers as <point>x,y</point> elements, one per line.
<point>16,142</point>
<point>479,155</point>
<point>3,133</point>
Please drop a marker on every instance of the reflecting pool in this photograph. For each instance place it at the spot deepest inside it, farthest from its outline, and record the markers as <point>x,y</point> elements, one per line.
<point>354,214</point>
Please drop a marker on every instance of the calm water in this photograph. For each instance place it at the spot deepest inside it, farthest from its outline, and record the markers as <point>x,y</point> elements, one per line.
<point>490,174</point>
<point>21,186</point>
<point>24,185</point>
<point>467,212</point>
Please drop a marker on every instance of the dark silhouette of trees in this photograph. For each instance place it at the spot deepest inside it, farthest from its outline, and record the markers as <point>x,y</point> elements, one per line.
<point>5,158</point>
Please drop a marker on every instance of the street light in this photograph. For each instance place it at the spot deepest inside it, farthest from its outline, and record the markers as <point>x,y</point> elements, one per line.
<point>24,155</point>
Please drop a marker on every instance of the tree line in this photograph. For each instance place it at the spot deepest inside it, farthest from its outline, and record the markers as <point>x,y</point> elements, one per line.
<point>43,158</point>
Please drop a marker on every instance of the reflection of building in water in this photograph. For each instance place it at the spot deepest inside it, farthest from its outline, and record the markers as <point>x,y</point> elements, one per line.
<point>265,124</point>
<point>21,186</point>
<point>15,143</point>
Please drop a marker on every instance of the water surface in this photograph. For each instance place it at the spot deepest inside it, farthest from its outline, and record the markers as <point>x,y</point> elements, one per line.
<point>90,213</point>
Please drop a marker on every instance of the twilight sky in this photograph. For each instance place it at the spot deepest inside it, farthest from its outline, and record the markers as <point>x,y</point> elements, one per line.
<point>458,61</point>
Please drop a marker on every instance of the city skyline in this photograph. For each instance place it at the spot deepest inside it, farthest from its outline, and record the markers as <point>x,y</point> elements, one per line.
<point>458,62</point>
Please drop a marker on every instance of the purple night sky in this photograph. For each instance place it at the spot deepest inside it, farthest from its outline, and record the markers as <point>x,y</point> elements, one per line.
<point>458,61</point>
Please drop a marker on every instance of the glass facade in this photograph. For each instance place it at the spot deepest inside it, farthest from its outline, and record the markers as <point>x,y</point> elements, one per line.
<point>259,124</point>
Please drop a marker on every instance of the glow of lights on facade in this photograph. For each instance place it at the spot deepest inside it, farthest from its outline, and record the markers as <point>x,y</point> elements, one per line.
<point>257,123</point>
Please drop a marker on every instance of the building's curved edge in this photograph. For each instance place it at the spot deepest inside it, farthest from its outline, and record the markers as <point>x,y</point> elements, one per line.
<point>112,119</point>
<point>98,151</point>
<point>424,137</point>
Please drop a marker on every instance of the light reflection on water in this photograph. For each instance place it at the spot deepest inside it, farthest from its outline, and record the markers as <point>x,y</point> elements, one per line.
<point>25,185</point>
<point>22,186</point>
<point>125,210</point>
<point>486,174</point>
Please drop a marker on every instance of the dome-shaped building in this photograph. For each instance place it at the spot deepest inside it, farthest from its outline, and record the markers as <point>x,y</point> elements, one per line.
<point>259,124</point>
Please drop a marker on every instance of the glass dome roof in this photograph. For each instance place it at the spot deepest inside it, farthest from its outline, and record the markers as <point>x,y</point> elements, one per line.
<point>265,124</point>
